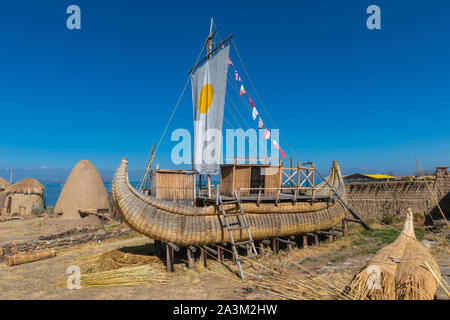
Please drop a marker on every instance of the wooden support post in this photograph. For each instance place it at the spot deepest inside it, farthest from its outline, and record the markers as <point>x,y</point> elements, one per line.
<point>305,241</point>
<point>209,186</point>
<point>344,227</point>
<point>194,183</point>
<point>290,246</point>
<point>190,258</point>
<point>259,197</point>
<point>203,257</point>
<point>200,185</point>
<point>220,255</point>
<point>330,237</point>
<point>275,246</point>
<point>170,258</point>
<point>316,239</point>
<point>261,249</point>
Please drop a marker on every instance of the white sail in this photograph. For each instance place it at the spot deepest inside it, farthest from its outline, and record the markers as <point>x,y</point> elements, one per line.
<point>208,97</point>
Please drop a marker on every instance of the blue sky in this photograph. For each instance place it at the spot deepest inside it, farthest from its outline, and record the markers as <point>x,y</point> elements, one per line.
<point>371,99</point>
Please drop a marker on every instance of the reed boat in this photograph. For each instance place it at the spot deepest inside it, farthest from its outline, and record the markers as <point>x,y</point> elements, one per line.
<point>255,199</point>
<point>192,225</point>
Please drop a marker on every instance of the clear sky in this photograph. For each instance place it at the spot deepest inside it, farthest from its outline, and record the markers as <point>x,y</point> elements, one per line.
<point>371,99</point>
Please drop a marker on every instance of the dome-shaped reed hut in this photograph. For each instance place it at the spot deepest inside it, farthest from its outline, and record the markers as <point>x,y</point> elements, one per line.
<point>23,197</point>
<point>3,185</point>
<point>84,191</point>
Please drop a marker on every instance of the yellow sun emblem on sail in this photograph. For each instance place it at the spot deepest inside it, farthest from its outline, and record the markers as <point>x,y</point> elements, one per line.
<point>205,98</point>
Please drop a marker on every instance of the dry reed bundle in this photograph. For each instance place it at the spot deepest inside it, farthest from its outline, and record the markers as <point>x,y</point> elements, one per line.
<point>376,281</point>
<point>118,269</point>
<point>144,275</point>
<point>116,259</point>
<point>413,280</point>
<point>403,270</point>
<point>27,257</point>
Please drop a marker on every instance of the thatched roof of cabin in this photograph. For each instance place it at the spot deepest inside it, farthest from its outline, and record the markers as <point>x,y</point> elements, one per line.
<point>3,184</point>
<point>83,190</point>
<point>27,186</point>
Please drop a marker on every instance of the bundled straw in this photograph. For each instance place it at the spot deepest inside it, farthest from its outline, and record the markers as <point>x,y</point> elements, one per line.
<point>398,271</point>
<point>29,257</point>
<point>414,279</point>
<point>130,276</point>
<point>117,269</point>
<point>116,259</point>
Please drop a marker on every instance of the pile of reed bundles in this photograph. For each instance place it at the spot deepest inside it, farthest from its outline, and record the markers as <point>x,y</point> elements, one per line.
<point>119,269</point>
<point>27,257</point>
<point>402,270</point>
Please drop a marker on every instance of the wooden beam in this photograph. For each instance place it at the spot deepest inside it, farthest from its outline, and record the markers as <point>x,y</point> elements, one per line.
<point>209,54</point>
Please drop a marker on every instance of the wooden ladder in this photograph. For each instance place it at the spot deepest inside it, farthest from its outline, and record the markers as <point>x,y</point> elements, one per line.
<point>239,225</point>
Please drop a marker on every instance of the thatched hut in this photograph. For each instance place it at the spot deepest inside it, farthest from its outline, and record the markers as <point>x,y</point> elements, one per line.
<point>23,197</point>
<point>3,185</point>
<point>84,191</point>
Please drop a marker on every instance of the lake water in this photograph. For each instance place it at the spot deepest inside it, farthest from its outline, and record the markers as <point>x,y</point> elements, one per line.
<point>53,189</point>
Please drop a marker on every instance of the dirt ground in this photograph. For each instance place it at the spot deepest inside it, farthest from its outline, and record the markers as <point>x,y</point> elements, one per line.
<point>341,259</point>
<point>28,229</point>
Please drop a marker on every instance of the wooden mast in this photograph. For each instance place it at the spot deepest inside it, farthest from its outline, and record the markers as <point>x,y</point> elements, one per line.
<point>209,46</point>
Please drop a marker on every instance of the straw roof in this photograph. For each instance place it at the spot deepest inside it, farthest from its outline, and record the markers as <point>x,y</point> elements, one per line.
<point>84,190</point>
<point>26,186</point>
<point>3,184</point>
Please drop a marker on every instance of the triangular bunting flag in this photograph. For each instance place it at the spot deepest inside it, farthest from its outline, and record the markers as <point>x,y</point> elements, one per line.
<point>229,61</point>
<point>275,144</point>
<point>251,102</point>
<point>236,76</point>
<point>242,90</point>
<point>266,134</point>
<point>260,123</point>
<point>254,113</point>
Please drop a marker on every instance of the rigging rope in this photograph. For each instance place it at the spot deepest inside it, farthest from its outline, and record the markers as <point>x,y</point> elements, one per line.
<point>259,98</point>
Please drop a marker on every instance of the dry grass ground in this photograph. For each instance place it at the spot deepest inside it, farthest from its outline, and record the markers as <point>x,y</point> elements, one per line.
<point>28,229</point>
<point>327,269</point>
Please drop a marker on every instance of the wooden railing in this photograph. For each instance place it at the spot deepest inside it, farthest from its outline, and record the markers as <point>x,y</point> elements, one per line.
<point>252,160</point>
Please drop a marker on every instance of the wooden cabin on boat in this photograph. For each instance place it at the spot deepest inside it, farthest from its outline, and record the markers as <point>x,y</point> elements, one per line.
<point>250,179</point>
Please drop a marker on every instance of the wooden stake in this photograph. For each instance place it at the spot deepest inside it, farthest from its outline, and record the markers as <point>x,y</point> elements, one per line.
<point>203,257</point>
<point>316,239</point>
<point>261,249</point>
<point>344,227</point>
<point>170,258</point>
<point>305,241</point>
<point>275,246</point>
<point>220,255</point>
<point>190,258</point>
<point>209,186</point>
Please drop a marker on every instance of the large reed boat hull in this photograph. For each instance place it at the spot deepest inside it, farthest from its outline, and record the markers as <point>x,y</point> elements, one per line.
<point>189,225</point>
